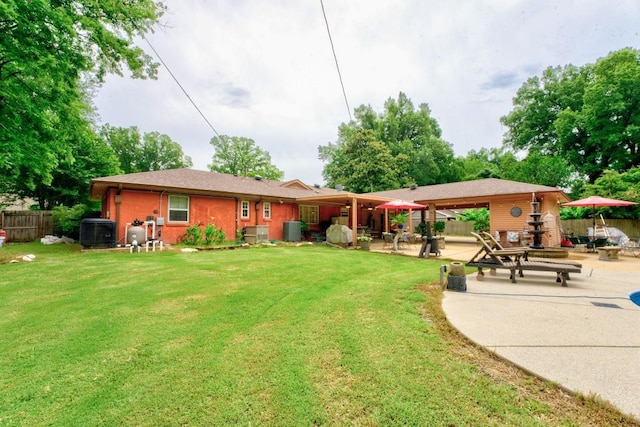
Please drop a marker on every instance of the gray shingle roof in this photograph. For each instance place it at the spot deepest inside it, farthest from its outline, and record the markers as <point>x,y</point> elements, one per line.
<point>467,189</point>
<point>212,183</point>
<point>196,181</point>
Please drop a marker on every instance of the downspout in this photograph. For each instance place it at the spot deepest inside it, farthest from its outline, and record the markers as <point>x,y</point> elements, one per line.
<point>237,218</point>
<point>257,209</point>
<point>118,201</point>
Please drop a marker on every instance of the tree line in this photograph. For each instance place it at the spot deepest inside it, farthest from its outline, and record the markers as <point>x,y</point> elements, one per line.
<point>574,127</point>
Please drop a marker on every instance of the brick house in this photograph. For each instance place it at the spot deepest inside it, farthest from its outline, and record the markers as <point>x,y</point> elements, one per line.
<point>178,198</point>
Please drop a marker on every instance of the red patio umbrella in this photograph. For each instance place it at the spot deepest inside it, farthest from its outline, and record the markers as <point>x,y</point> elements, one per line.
<point>597,201</point>
<point>400,204</point>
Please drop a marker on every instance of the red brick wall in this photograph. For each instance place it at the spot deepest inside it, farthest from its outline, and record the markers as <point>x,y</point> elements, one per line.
<point>202,210</point>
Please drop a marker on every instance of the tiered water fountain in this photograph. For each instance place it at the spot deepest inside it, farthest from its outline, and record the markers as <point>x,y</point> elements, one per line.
<point>536,224</point>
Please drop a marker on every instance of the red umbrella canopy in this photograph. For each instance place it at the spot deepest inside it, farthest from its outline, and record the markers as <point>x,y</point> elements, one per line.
<point>400,204</point>
<point>593,201</point>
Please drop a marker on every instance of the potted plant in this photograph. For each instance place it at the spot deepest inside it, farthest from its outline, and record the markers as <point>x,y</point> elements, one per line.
<point>439,227</point>
<point>304,229</point>
<point>424,229</point>
<point>364,241</point>
<point>399,220</point>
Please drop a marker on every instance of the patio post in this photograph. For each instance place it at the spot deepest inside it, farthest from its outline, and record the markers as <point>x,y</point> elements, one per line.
<point>432,215</point>
<point>354,220</point>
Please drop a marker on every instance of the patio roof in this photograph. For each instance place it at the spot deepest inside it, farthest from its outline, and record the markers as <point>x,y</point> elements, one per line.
<point>341,198</point>
<point>470,194</point>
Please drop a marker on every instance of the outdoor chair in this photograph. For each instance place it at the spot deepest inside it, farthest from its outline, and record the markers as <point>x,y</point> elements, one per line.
<point>591,245</point>
<point>515,259</point>
<point>631,247</point>
<point>387,239</point>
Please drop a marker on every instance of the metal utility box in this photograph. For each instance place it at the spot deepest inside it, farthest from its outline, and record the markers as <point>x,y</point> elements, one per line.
<point>292,231</point>
<point>457,283</point>
<point>97,233</point>
<point>256,233</point>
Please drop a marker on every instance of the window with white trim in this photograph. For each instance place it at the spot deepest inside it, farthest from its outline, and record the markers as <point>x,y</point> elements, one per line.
<point>244,209</point>
<point>309,214</point>
<point>178,209</point>
<point>266,210</point>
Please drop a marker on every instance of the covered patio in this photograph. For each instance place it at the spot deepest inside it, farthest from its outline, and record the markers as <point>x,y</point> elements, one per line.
<point>509,204</point>
<point>361,207</point>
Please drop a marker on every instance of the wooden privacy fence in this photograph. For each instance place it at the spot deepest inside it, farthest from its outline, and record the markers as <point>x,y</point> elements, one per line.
<point>458,228</point>
<point>26,226</point>
<point>577,227</point>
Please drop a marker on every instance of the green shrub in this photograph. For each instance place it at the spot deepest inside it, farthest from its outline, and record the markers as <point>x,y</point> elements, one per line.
<point>67,220</point>
<point>194,235</point>
<point>213,235</point>
<point>480,216</point>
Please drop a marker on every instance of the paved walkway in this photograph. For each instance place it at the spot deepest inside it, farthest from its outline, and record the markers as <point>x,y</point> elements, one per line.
<point>585,337</point>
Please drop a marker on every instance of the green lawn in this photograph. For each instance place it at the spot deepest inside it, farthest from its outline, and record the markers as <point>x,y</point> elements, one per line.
<point>283,336</point>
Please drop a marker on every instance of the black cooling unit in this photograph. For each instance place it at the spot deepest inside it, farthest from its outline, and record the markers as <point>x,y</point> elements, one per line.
<point>97,233</point>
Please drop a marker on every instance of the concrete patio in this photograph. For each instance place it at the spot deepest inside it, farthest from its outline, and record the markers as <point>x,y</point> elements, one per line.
<point>585,337</point>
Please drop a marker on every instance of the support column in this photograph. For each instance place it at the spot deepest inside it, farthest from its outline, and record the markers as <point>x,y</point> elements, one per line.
<point>354,220</point>
<point>432,215</point>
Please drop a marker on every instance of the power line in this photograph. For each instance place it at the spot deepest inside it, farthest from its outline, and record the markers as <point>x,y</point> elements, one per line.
<point>336,59</point>
<point>179,85</point>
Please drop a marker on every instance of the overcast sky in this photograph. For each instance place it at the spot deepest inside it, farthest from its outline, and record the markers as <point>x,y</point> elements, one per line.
<point>264,69</point>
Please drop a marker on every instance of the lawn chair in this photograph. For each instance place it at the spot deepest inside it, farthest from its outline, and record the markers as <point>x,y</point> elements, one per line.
<point>591,245</point>
<point>496,245</point>
<point>387,239</point>
<point>631,247</point>
<point>514,259</point>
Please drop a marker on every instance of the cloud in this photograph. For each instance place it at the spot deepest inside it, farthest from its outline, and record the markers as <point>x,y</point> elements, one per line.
<point>235,97</point>
<point>502,81</point>
<point>265,70</point>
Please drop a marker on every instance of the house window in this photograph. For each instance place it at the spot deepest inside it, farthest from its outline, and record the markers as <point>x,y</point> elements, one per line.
<point>266,210</point>
<point>244,209</point>
<point>179,208</point>
<point>309,214</point>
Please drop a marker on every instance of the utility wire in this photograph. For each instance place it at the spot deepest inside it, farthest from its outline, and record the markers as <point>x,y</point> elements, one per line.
<point>178,83</point>
<point>336,59</point>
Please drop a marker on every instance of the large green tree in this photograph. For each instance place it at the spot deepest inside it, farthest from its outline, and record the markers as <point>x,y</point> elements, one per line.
<point>241,156</point>
<point>141,153</point>
<point>536,168</point>
<point>398,147</point>
<point>90,158</point>
<point>612,184</point>
<point>588,115</point>
<point>49,52</point>
<point>487,163</point>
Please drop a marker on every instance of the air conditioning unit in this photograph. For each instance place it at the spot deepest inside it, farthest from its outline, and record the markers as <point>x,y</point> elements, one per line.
<point>292,231</point>
<point>97,233</point>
